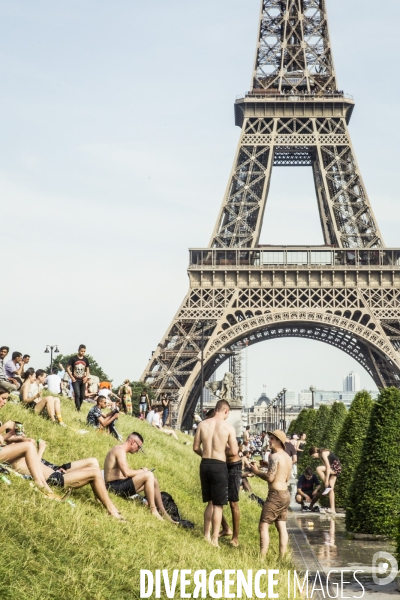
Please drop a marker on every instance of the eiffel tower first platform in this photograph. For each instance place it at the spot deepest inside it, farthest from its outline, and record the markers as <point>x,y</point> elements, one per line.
<point>344,293</point>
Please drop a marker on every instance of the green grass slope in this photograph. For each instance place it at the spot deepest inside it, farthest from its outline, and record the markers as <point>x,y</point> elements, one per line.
<point>51,550</point>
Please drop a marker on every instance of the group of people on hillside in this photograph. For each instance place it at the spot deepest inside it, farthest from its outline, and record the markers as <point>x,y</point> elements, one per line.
<point>25,455</point>
<point>225,467</point>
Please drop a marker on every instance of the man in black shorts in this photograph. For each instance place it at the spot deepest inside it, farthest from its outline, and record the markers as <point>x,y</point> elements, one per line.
<point>126,482</point>
<point>235,468</point>
<point>212,437</point>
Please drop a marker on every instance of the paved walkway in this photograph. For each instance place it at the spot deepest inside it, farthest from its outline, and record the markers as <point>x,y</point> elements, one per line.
<point>319,543</point>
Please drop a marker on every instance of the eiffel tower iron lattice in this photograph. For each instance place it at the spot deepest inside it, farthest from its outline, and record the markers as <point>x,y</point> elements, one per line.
<point>345,293</point>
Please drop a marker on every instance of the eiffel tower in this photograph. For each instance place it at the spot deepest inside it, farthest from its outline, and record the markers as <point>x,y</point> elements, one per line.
<point>345,292</point>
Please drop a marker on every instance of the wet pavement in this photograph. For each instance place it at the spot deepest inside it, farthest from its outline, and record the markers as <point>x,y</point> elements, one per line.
<point>321,543</point>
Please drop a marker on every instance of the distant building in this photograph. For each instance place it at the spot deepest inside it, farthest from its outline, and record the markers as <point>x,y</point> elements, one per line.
<point>305,398</point>
<point>290,398</point>
<point>328,397</point>
<point>256,414</point>
<point>351,383</point>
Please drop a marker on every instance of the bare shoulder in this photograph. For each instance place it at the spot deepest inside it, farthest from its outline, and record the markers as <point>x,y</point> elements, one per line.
<point>116,450</point>
<point>231,429</point>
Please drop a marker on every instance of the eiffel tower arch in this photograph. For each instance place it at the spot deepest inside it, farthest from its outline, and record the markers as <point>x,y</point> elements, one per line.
<point>346,292</point>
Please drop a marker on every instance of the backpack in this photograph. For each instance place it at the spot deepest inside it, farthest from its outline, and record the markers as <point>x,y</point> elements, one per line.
<point>173,511</point>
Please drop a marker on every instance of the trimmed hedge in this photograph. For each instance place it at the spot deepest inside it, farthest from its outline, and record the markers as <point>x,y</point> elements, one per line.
<point>337,417</point>
<point>374,499</point>
<point>315,435</point>
<point>349,446</point>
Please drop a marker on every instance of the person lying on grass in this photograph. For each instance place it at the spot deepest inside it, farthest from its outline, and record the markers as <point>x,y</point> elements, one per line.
<point>31,396</point>
<point>126,482</point>
<point>72,475</point>
<point>21,449</point>
<point>157,423</point>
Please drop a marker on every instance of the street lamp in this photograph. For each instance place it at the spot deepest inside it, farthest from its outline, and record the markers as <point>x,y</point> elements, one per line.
<point>52,349</point>
<point>284,408</point>
<point>312,390</point>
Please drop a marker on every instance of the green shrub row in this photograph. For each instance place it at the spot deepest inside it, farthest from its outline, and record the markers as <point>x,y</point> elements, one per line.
<point>374,499</point>
<point>350,442</point>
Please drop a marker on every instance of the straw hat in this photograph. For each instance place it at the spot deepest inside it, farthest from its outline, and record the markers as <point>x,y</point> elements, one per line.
<point>280,435</point>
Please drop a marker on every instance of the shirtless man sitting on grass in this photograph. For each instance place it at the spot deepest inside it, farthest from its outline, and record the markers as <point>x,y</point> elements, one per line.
<point>126,482</point>
<point>210,442</point>
<point>276,506</point>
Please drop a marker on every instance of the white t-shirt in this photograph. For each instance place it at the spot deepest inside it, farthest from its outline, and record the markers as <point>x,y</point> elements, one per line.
<point>34,388</point>
<point>150,416</point>
<point>53,384</point>
<point>156,420</point>
<point>104,392</point>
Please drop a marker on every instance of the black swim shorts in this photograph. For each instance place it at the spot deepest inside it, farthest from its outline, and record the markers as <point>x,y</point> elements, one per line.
<point>234,480</point>
<point>122,487</point>
<point>65,466</point>
<point>214,481</point>
<point>56,479</point>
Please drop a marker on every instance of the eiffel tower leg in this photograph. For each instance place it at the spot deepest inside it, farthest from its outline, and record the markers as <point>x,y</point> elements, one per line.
<point>240,219</point>
<point>346,214</point>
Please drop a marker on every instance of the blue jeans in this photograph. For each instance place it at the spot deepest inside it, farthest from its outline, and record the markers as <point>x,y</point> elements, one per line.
<point>165,415</point>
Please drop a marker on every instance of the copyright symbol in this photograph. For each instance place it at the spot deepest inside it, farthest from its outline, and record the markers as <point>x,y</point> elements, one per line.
<point>384,563</point>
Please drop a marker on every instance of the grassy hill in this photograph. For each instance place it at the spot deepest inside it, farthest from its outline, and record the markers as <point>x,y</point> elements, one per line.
<point>51,550</point>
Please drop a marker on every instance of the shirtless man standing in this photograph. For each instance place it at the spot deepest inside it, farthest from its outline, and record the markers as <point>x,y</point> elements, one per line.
<point>126,482</point>
<point>277,503</point>
<point>210,442</point>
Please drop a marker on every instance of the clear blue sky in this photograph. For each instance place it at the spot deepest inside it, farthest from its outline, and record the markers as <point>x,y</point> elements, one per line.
<point>117,139</point>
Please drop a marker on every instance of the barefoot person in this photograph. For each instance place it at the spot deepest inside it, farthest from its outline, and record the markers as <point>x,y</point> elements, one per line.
<point>126,482</point>
<point>210,442</point>
<point>73,475</point>
<point>234,464</point>
<point>31,396</point>
<point>21,448</point>
<point>328,472</point>
<point>276,506</point>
